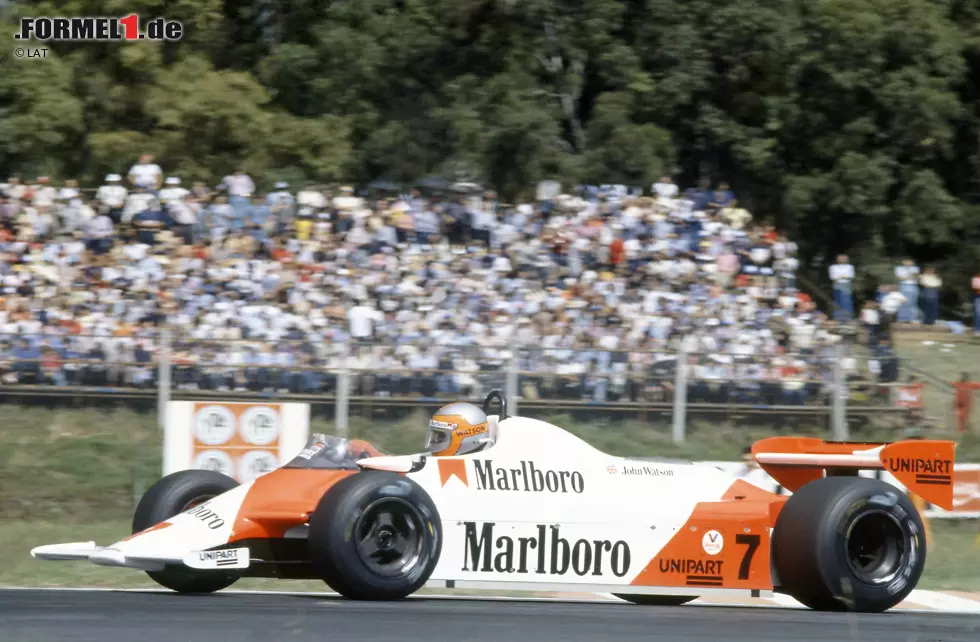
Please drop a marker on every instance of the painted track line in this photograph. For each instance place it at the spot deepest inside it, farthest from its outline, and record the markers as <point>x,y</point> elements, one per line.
<point>939,601</point>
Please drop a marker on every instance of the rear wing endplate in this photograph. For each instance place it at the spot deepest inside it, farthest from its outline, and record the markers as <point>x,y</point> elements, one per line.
<point>923,466</point>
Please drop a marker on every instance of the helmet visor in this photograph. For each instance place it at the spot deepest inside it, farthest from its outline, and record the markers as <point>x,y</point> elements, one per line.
<point>438,440</point>
<point>440,435</point>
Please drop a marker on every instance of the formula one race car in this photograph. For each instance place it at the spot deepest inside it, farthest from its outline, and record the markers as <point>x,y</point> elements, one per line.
<point>541,510</point>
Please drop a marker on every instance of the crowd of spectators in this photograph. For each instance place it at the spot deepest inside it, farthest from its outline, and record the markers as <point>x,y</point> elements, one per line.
<point>911,297</point>
<point>590,292</point>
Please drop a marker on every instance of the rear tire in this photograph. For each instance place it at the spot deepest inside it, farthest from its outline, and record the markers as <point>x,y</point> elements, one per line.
<point>171,496</point>
<point>848,544</point>
<point>656,600</point>
<point>375,536</point>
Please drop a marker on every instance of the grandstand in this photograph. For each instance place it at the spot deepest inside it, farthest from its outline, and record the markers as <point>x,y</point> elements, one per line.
<point>587,296</point>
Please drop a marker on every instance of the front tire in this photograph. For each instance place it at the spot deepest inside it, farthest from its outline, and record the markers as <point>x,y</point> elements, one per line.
<point>848,544</point>
<point>375,536</point>
<point>169,497</point>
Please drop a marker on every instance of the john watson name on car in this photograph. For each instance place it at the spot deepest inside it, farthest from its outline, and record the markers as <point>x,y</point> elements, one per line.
<point>648,471</point>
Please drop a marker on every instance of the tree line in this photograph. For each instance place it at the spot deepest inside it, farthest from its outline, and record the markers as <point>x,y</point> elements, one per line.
<point>852,124</point>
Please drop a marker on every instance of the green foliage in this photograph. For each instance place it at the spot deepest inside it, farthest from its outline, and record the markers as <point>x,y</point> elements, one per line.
<point>852,124</point>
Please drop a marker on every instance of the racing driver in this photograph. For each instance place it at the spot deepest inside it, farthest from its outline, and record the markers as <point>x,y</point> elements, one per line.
<point>458,429</point>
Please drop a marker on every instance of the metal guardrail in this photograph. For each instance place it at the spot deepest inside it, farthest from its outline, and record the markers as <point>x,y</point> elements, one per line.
<point>660,385</point>
<point>101,392</point>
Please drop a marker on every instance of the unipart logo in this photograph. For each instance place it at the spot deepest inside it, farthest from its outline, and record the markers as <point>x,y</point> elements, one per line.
<point>691,566</point>
<point>544,552</point>
<point>905,465</point>
<point>696,572</point>
<point>218,556</point>
<point>526,478</point>
<point>927,471</point>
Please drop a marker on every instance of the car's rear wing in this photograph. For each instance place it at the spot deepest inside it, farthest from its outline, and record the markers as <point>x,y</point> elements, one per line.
<point>924,466</point>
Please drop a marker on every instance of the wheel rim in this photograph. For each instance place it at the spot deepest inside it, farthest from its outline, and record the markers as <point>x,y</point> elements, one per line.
<point>875,547</point>
<point>390,537</point>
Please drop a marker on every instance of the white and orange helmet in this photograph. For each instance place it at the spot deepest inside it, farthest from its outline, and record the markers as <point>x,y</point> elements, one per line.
<point>457,429</point>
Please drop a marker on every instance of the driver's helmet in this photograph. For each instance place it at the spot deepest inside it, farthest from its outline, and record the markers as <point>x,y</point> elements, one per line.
<point>457,429</point>
<point>333,448</point>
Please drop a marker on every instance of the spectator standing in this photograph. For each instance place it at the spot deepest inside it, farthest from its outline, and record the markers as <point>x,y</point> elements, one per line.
<point>311,197</point>
<point>146,173</point>
<point>218,218</point>
<point>349,202</point>
<point>69,192</point>
<point>871,319</point>
<point>363,320</point>
<point>453,221</point>
<point>547,192</point>
<point>99,234</point>
<point>929,295</point>
<point>44,194</point>
<point>891,302</point>
<point>240,189</point>
<point>173,191</point>
<point>113,196</point>
<point>201,192</point>
<point>426,226</point>
<point>482,222</point>
<point>8,210</point>
<point>14,188</point>
<point>149,222</point>
<point>699,196</point>
<point>842,276</point>
<point>76,214</point>
<point>138,201</point>
<point>785,262</point>
<point>888,362</point>
<point>424,365</point>
<point>976,303</point>
<point>258,216</point>
<point>51,368</point>
<point>908,283</point>
<point>722,198</point>
<point>963,401</point>
<point>184,218</point>
<point>282,205</point>
<point>666,188</point>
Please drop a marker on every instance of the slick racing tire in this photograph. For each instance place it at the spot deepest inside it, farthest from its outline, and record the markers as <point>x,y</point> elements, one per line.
<point>171,496</point>
<point>656,600</point>
<point>848,544</point>
<point>375,536</point>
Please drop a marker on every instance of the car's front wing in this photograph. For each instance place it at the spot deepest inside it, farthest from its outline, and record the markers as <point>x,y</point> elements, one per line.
<point>217,560</point>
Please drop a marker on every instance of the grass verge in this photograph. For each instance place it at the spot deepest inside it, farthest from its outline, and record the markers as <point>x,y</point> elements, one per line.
<point>944,361</point>
<point>88,465</point>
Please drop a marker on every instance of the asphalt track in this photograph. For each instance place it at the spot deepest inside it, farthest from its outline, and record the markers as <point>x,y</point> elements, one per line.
<point>82,616</point>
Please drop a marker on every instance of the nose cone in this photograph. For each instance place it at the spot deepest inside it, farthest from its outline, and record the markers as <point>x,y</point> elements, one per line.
<point>200,528</point>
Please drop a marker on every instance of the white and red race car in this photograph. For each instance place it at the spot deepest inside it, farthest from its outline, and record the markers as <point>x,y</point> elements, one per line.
<point>541,510</point>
